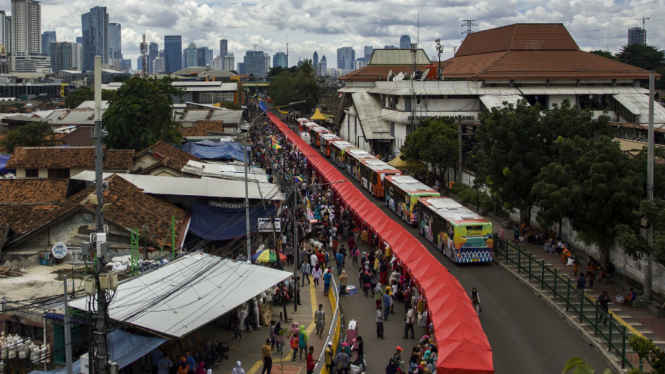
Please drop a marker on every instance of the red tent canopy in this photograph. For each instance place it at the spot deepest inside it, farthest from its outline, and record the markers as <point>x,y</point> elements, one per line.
<point>462,344</point>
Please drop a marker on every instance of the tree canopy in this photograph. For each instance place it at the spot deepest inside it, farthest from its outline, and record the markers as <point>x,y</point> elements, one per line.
<point>434,142</point>
<point>36,134</point>
<point>140,114</point>
<point>518,141</point>
<point>593,184</point>
<point>607,54</point>
<point>288,87</point>
<point>643,56</point>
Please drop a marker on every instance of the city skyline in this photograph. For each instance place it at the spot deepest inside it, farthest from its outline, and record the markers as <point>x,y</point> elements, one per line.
<point>594,25</point>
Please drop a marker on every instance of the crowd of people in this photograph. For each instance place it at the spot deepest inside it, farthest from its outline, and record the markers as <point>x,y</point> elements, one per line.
<point>328,235</point>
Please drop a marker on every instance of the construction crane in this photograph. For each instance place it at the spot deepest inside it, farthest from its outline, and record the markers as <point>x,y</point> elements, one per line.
<point>144,55</point>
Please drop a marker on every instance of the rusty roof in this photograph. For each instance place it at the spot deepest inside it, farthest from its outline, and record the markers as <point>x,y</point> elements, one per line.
<point>202,128</point>
<point>81,137</point>
<point>45,191</point>
<point>169,155</point>
<point>68,157</point>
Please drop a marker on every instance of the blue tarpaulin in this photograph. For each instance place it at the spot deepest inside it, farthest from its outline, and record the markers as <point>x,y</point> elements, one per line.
<point>3,161</point>
<point>214,223</point>
<point>209,150</point>
<point>124,348</point>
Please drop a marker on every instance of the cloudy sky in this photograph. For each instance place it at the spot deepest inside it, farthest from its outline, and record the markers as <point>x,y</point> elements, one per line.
<point>324,26</point>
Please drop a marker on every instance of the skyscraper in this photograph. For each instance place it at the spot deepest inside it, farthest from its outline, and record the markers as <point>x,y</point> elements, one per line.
<point>229,61</point>
<point>153,53</point>
<point>115,41</point>
<point>77,56</point>
<point>189,56</point>
<point>323,66</point>
<point>26,27</point>
<point>223,51</point>
<point>405,42</point>
<point>315,62</point>
<point>79,39</point>
<point>48,37</point>
<point>279,59</point>
<point>368,53</point>
<point>4,32</point>
<point>209,55</point>
<point>62,56</point>
<point>266,63</point>
<point>242,68</point>
<point>255,63</point>
<point>637,35</point>
<point>345,58</point>
<point>158,65</point>
<point>95,26</point>
<point>173,53</point>
<point>203,56</point>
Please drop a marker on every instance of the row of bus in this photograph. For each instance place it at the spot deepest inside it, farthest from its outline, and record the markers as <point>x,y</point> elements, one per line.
<point>462,235</point>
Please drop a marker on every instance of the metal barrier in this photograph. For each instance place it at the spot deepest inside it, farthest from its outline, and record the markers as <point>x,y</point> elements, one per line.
<point>612,330</point>
<point>334,331</point>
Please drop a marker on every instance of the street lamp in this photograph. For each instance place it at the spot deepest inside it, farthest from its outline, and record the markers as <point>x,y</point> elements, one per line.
<point>249,240</point>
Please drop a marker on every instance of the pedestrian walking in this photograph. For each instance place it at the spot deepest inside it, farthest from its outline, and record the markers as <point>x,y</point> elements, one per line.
<point>339,261</point>
<point>365,279</point>
<point>320,319</point>
<point>581,282</point>
<point>409,320</point>
<point>604,301</point>
<point>165,365</point>
<point>310,363</point>
<point>266,352</point>
<point>379,323</point>
<point>387,302</point>
<point>361,351</point>
<point>343,362</point>
<point>343,281</point>
<point>316,275</point>
<point>327,277</point>
<point>302,341</point>
<point>305,269</point>
<point>330,356</point>
<point>378,295</point>
<point>355,252</point>
<point>288,252</point>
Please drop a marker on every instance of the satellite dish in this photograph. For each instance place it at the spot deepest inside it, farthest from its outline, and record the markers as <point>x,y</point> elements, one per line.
<point>424,75</point>
<point>59,250</point>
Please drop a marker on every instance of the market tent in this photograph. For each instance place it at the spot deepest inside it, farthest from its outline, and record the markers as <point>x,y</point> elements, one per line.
<point>462,349</point>
<point>397,162</point>
<point>215,223</point>
<point>124,348</point>
<point>3,161</point>
<point>318,116</point>
<point>190,292</point>
<point>209,150</point>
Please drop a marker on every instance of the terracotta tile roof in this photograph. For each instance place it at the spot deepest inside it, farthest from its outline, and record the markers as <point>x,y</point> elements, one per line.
<point>171,156</point>
<point>33,191</point>
<point>81,137</point>
<point>518,37</point>
<point>372,73</point>
<point>69,157</point>
<point>468,66</point>
<point>202,128</point>
<point>130,207</point>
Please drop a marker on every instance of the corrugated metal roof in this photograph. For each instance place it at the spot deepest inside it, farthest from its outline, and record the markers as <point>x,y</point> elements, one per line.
<point>491,101</point>
<point>203,187</point>
<point>397,57</point>
<point>188,293</point>
<point>638,104</point>
<point>369,112</point>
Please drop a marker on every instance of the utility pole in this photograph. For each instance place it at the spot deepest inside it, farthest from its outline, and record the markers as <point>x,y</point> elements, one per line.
<point>68,332</point>
<point>648,258</point>
<point>468,23</point>
<point>100,342</point>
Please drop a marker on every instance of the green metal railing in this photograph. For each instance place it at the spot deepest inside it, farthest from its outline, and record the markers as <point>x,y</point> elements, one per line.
<point>612,330</point>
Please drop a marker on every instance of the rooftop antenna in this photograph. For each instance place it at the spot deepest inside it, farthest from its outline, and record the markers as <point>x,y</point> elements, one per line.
<point>255,46</point>
<point>144,52</point>
<point>469,23</point>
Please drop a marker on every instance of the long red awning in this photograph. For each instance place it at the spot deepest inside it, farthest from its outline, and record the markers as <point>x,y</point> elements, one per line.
<point>462,344</point>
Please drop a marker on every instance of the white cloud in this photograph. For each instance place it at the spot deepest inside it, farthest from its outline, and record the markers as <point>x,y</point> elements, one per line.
<point>324,26</point>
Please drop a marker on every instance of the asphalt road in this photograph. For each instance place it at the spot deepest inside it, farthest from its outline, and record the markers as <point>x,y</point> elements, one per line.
<point>526,334</point>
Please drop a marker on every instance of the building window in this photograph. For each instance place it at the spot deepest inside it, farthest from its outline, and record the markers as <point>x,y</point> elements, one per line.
<point>58,173</point>
<point>32,173</point>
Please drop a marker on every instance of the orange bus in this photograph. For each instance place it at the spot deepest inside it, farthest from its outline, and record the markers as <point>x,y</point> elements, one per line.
<point>353,158</point>
<point>326,139</point>
<point>306,125</point>
<point>314,133</point>
<point>338,152</point>
<point>372,173</point>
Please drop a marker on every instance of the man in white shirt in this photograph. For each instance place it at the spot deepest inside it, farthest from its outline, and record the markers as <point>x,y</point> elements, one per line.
<point>408,324</point>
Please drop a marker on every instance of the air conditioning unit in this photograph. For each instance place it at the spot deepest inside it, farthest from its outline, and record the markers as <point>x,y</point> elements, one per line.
<point>108,281</point>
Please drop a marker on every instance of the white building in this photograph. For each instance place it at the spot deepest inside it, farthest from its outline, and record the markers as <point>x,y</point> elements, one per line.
<point>31,64</point>
<point>26,27</point>
<point>229,61</point>
<point>217,63</point>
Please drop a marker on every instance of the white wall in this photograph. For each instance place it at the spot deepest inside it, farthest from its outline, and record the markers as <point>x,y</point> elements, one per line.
<point>400,137</point>
<point>351,131</point>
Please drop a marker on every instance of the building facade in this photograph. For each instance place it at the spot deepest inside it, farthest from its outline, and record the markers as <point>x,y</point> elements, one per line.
<point>368,53</point>
<point>48,37</point>
<point>637,35</point>
<point>95,26</point>
<point>62,56</point>
<point>223,51</point>
<point>189,56</point>
<point>405,42</point>
<point>229,61</point>
<point>115,41</point>
<point>5,32</point>
<point>26,28</point>
<point>279,59</point>
<point>242,68</point>
<point>172,53</point>
<point>158,65</point>
<point>255,63</point>
<point>153,53</point>
<point>323,66</point>
<point>346,57</point>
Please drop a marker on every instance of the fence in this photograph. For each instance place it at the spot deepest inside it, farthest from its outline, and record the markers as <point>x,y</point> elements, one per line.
<point>611,330</point>
<point>335,328</point>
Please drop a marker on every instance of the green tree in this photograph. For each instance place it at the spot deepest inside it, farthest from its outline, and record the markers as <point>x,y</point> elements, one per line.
<point>593,184</point>
<point>141,113</point>
<point>434,142</point>
<point>516,142</point>
<point>289,87</point>
<point>580,367</point>
<point>606,54</point>
<point>643,56</point>
<point>35,134</point>
<point>646,349</point>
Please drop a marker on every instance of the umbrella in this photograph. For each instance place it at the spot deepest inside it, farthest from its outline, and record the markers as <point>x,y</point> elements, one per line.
<point>298,179</point>
<point>276,146</point>
<point>267,256</point>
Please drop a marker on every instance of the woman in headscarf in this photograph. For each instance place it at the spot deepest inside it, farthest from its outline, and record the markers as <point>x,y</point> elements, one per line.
<point>183,368</point>
<point>295,330</point>
<point>200,369</point>
<point>343,280</point>
<point>279,337</point>
<point>316,274</point>
<point>392,367</point>
<point>302,341</point>
<point>238,369</point>
<point>366,278</point>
